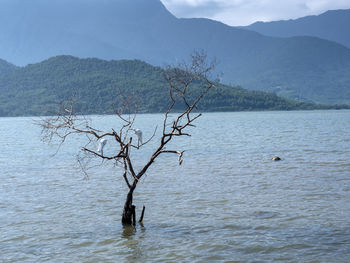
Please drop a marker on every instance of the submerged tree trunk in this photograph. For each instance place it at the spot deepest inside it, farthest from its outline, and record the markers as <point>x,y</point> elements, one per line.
<point>129,213</point>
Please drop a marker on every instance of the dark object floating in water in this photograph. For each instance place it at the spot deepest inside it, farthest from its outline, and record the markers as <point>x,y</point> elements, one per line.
<point>276,158</point>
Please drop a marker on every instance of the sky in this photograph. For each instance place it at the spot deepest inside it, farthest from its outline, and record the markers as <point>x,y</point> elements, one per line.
<point>245,12</point>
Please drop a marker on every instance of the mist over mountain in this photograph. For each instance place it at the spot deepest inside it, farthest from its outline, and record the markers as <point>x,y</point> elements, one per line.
<point>332,25</point>
<point>305,68</point>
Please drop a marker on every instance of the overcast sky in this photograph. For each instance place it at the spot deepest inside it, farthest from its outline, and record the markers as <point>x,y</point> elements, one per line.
<point>244,12</point>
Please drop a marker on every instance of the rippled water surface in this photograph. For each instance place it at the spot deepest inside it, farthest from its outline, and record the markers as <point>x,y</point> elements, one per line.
<point>228,202</point>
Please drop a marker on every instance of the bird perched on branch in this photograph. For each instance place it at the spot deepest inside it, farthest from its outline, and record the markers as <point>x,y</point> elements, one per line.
<point>102,142</point>
<point>138,133</point>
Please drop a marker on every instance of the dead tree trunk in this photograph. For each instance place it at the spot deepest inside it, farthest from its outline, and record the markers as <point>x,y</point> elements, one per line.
<point>129,211</point>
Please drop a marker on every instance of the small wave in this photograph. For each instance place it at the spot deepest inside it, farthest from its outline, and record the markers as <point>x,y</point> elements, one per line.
<point>265,214</point>
<point>83,244</point>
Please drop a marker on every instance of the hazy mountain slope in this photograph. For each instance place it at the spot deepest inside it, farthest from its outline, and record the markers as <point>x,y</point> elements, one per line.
<point>98,86</point>
<point>332,25</point>
<point>6,67</point>
<point>38,29</point>
<point>304,68</point>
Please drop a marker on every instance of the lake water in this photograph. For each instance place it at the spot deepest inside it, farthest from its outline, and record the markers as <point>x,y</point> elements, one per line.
<point>228,202</point>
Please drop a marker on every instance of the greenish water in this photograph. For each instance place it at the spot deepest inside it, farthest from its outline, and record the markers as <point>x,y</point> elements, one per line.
<point>228,202</point>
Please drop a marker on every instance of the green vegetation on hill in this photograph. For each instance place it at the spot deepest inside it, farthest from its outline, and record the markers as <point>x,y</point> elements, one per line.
<point>99,85</point>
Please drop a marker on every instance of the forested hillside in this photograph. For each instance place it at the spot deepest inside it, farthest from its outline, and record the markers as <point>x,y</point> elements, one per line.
<point>99,86</point>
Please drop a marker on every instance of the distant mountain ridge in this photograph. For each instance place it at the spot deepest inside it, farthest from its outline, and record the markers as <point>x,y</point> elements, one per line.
<point>332,25</point>
<point>98,86</point>
<point>305,68</point>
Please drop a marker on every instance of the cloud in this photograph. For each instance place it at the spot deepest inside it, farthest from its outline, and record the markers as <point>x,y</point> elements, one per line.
<point>195,8</point>
<point>244,12</point>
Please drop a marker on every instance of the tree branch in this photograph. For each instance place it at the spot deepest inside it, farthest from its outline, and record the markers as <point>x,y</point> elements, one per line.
<point>181,81</point>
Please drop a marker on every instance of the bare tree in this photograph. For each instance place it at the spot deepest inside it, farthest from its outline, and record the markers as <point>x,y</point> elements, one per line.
<point>180,80</point>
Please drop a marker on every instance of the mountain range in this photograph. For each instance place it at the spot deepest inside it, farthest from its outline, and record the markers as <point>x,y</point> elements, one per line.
<point>301,67</point>
<point>332,25</point>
